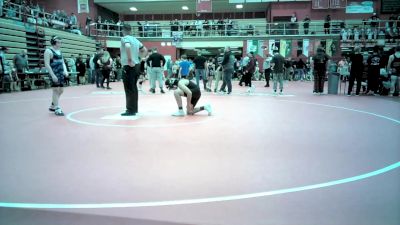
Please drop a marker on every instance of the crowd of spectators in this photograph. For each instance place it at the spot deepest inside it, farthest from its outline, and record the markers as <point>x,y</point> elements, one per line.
<point>35,14</point>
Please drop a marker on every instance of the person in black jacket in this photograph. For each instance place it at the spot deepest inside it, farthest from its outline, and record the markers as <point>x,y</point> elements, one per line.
<point>320,60</point>
<point>374,65</point>
<point>250,69</point>
<point>81,68</point>
<point>356,71</point>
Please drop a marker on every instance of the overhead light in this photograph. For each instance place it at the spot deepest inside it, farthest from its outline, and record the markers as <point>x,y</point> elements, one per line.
<point>185,8</point>
<point>133,9</point>
<point>239,6</point>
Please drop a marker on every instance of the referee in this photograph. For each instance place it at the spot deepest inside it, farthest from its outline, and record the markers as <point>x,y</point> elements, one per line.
<point>131,49</point>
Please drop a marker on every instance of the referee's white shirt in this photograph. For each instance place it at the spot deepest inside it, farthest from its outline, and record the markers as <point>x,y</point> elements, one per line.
<point>135,46</point>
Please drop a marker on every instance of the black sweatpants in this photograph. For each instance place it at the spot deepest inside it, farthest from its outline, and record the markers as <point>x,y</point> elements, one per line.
<point>319,80</point>
<point>130,76</point>
<point>267,73</point>
<point>106,76</point>
<point>247,78</point>
<point>355,76</point>
<point>373,79</point>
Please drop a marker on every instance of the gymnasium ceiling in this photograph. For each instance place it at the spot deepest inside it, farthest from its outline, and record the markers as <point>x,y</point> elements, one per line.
<point>174,6</point>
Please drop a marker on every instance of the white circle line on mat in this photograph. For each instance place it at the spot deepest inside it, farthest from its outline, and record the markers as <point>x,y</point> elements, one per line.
<point>201,200</point>
<point>221,198</point>
<point>71,118</point>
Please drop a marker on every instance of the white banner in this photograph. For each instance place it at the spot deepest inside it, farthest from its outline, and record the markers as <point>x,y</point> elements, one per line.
<point>306,43</point>
<point>83,6</point>
<point>360,7</point>
<point>271,47</point>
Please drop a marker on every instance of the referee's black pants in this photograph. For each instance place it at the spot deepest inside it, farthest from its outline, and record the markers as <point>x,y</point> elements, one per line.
<point>130,76</point>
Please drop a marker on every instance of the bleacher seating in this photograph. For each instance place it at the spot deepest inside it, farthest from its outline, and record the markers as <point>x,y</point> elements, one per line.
<point>17,36</point>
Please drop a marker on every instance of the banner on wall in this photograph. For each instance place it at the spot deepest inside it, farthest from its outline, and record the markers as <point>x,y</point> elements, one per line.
<point>306,44</point>
<point>285,48</point>
<point>282,49</point>
<point>320,4</point>
<point>260,50</point>
<point>83,6</point>
<point>271,46</point>
<point>253,46</point>
<point>203,6</point>
<point>360,7</point>
<point>390,6</point>
<point>289,46</point>
<point>337,4</point>
<point>328,48</point>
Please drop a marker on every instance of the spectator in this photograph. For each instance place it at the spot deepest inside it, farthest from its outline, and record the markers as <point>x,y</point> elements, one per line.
<point>21,61</point>
<point>293,24</point>
<point>343,68</point>
<point>211,73</point>
<point>245,62</point>
<point>393,67</point>
<point>5,65</point>
<point>374,65</point>
<point>306,24</point>
<point>250,69</point>
<point>227,69</point>
<point>118,67</point>
<point>327,24</point>
<point>267,69</point>
<point>88,21</point>
<point>155,64</point>
<point>356,71</point>
<point>184,67</point>
<point>374,21</point>
<point>73,21</point>
<point>300,66</point>
<point>88,70</point>
<point>1,7</point>
<point>200,68</point>
<point>97,73</point>
<point>99,25</point>
<point>277,64</point>
<point>320,61</point>
<point>105,63</point>
<point>81,68</point>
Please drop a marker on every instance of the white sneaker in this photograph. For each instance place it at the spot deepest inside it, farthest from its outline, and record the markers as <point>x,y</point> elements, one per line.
<point>275,93</point>
<point>179,113</point>
<point>208,109</point>
<point>59,112</point>
<point>281,93</point>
